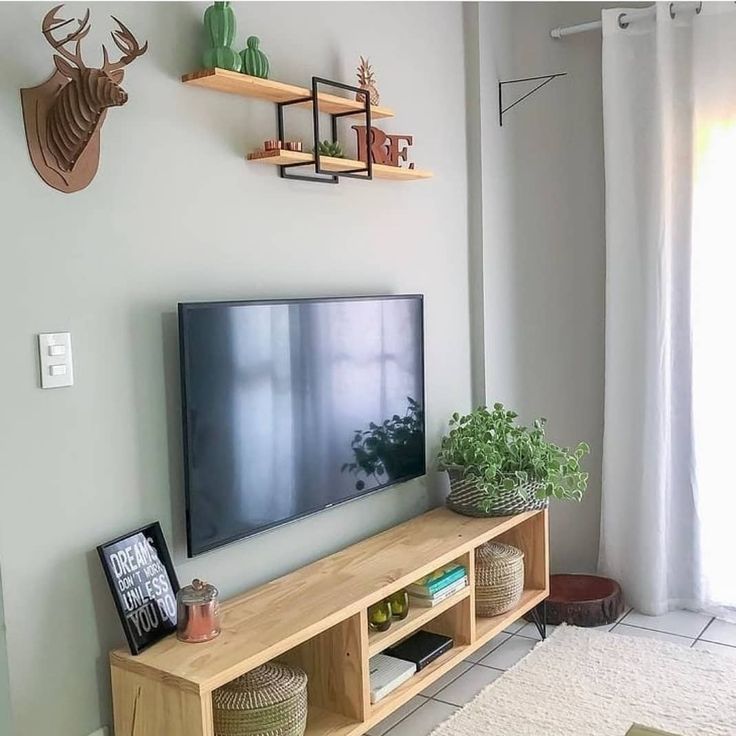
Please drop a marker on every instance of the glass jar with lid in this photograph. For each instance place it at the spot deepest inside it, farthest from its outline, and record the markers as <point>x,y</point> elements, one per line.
<point>198,612</point>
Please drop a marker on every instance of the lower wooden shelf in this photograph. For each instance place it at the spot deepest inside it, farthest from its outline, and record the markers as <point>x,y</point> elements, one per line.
<point>380,171</point>
<point>322,722</point>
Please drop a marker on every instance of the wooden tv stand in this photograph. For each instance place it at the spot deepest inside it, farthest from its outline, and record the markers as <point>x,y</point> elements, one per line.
<point>316,617</point>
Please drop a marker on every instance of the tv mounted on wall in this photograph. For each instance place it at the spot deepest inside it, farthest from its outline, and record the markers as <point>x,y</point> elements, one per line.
<point>290,407</point>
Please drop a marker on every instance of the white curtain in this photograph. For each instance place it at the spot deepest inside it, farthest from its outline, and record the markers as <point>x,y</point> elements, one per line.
<point>669,487</point>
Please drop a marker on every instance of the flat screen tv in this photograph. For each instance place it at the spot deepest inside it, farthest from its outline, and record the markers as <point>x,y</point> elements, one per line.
<point>290,407</point>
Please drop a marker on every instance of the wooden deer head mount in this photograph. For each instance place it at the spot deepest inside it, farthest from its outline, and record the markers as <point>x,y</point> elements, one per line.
<point>64,115</point>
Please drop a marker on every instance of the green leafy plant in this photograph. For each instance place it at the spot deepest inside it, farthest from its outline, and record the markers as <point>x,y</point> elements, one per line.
<point>391,450</point>
<point>328,148</point>
<point>490,446</point>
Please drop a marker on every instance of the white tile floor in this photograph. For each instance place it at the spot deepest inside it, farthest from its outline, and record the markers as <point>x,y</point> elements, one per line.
<point>441,699</point>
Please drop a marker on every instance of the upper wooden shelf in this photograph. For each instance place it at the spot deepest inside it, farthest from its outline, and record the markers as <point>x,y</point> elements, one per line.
<point>236,83</point>
<point>316,597</point>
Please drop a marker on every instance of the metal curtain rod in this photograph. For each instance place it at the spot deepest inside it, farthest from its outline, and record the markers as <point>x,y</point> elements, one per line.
<point>623,20</point>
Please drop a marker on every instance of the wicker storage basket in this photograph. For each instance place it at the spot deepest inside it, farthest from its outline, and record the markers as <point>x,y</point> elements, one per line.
<point>269,701</point>
<point>499,578</point>
<point>467,493</point>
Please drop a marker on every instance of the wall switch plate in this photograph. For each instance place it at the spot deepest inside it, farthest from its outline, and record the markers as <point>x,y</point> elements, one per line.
<point>55,356</point>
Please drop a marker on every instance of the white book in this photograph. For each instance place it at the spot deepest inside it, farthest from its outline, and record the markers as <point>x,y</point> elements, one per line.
<point>441,596</point>
<point>387,673</point>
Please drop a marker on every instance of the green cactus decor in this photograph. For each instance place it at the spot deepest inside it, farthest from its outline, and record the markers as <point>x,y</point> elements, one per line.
<point>255,62</point>
<point>327,148</point>
<point>219,20</point>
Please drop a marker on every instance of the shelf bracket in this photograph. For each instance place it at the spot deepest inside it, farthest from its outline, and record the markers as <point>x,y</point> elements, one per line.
<point>544,79</point>
<point>321,176</point>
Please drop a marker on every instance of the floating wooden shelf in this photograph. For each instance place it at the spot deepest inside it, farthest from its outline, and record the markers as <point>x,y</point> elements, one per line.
<point>380,171</point>
<point>316,618</point>
<point>236,83</point>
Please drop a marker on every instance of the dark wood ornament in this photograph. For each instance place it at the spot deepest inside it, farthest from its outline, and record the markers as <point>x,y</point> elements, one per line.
<point>583,600</point>
<point>385,148</point>
<point>64,115</point>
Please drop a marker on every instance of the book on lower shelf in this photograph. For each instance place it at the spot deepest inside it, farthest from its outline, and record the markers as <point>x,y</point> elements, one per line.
<point>421,648</point>
<point>423,601</point>
<point>387,673</point>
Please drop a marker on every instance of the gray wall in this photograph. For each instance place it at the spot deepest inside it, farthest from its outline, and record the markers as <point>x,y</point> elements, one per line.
<point>543,250</point>
<point>176,214</point>
<point>5,720</point>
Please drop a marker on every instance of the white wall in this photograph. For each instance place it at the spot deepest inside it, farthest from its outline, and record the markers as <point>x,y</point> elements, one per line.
<point>543,247</point>
<point>176,214</point>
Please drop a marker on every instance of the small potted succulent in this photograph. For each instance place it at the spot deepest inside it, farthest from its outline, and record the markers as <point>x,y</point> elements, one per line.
<point>497,467</point>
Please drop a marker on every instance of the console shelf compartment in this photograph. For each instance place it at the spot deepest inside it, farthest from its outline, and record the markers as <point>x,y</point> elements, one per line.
<point>167,689</point>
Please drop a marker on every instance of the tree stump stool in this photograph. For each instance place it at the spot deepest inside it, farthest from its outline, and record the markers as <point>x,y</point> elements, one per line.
<point>583,600</point>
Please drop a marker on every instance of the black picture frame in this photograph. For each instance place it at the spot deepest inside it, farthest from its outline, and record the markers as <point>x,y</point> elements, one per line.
<point>143,584</point>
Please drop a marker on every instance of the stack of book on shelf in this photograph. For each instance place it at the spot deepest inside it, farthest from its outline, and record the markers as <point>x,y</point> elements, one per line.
<point>437,586</point>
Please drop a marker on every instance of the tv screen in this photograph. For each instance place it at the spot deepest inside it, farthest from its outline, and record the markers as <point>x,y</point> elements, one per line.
<point>293,406</point>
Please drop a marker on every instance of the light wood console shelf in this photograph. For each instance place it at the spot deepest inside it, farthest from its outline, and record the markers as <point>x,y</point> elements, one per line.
<point>316,617</point>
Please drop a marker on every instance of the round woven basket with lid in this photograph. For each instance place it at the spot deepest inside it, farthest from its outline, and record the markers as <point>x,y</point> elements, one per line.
<point>269,701</point>
<point>499,578</point>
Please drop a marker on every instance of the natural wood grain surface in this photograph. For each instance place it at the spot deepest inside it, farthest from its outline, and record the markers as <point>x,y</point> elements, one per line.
<point>329,163</point>
<point>264,623</point>
<point>333,661</point>
<point>236,83</point>
<point>147,707</point>
<point>532,538</point>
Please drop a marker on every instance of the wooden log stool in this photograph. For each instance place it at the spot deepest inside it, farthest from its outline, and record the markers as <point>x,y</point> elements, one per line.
<point>583,600</point>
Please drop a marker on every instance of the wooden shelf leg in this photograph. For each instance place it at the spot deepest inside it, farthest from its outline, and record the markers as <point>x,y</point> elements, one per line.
<point>147,707</point>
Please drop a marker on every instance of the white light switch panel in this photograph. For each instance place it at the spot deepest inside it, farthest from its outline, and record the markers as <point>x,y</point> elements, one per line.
<point>55,353</point>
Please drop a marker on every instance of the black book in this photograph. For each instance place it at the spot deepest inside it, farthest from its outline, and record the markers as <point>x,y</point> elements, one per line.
<point>421,648</point>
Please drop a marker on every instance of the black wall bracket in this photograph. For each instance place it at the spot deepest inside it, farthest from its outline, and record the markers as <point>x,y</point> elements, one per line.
<point>320,175</point>
<point>544,79</point>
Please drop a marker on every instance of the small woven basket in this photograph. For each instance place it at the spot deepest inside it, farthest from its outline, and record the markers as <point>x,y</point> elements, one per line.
<point>271,700</point>
<point>499,578</point>
<point>467,494</point>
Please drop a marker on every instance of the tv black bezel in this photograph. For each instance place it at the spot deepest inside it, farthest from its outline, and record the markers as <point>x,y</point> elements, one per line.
<point>186,307</point>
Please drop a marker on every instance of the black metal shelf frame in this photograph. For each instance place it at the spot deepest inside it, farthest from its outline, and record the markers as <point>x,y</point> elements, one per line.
<point>321,176</point>
<point>547,78</point>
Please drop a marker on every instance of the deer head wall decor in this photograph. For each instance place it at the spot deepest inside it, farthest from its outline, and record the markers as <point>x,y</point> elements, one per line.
<point>64,115</point>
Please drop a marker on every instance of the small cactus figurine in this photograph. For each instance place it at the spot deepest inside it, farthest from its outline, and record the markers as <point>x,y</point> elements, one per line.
<point>255,62</point>
<point>219,20</point>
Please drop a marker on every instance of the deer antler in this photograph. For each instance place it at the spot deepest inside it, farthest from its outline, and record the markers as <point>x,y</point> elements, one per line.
<point>51,23</point>
<point>127,43</point>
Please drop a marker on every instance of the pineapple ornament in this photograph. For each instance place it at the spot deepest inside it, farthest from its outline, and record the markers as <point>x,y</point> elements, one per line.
<point>367,81</point>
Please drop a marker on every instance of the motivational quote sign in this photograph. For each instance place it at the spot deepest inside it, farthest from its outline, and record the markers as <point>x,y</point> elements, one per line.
<point>143,583</point>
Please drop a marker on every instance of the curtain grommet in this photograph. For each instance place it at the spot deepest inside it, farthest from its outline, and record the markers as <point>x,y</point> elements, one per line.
<point>699,9</point>
<point>672,11</point>
<point>621,22</point>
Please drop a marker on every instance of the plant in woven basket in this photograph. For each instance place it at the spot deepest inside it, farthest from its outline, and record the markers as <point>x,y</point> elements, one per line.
<point>503,457</point>
<point>391,450</point>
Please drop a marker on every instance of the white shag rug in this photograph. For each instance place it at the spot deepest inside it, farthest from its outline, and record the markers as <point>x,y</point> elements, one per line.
<point>582,682</point>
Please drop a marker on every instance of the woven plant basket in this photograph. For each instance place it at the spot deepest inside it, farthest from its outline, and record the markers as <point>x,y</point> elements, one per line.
<point>499,578</point>
<point>271,700</point>
<point>466,495</point>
